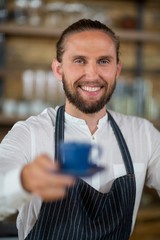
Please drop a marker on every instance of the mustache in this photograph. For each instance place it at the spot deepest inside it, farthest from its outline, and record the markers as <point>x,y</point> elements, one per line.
<point>96,83</point>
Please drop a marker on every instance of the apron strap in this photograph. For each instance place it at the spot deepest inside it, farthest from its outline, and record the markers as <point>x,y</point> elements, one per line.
<point>122,145</point>
<point>59,137</point>
<point>59,130</point>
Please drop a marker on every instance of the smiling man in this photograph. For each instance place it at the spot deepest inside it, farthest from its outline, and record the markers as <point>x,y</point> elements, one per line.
<point>88,70</point>
<point>55,206</point>
<point>88,65</point>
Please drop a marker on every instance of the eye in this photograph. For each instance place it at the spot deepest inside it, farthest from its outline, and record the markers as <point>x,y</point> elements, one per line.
<point>79,60</point>
<point>104,61</point>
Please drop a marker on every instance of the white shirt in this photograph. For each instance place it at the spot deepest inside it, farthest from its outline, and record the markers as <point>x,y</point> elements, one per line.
<point>35,136</point>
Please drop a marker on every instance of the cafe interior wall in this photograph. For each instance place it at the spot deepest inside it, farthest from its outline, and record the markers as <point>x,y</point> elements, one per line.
<point>28,85</point>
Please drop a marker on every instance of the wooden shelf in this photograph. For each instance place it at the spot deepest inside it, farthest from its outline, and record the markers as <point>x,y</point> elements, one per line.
<point>150,213</point>
<point>140,36</point>
<point>9,121</point>
<point>24,30</point>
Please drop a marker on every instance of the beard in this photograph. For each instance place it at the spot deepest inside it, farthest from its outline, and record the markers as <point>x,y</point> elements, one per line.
<point>91,106</point>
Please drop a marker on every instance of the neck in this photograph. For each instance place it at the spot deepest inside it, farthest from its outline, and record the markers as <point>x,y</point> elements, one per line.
<point>90,119</point>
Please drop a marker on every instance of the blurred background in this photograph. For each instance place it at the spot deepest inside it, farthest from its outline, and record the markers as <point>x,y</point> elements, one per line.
<point>29,30</point>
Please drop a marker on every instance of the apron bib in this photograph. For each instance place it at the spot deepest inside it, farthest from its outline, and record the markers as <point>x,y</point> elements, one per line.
<point>87,214</point>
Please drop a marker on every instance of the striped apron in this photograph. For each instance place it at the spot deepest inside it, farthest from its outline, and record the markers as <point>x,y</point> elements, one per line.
<point>87,214</point>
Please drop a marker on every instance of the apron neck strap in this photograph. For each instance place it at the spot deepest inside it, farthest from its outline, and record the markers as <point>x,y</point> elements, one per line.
<point>59,130</point>
<point>122,145</point>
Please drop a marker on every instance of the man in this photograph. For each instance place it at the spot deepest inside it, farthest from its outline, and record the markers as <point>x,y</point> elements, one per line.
<point>105,205</point>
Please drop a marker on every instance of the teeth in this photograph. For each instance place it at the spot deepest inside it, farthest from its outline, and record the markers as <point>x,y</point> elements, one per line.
<point>90,89</point>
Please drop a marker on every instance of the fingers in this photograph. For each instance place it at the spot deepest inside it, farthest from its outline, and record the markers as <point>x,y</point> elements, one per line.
<point>39,177</point>
<point>46,162</point>
<point>51,194</point>
<point>53,187</point>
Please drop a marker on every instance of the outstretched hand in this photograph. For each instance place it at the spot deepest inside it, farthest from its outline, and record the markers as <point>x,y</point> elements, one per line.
<point>38,177</point>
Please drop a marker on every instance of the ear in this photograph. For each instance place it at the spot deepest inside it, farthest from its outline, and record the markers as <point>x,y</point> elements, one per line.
<point>119,68</point>
<point>57,69</point>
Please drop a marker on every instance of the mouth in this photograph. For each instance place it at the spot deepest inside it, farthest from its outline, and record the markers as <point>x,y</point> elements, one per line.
<point>90,89</point>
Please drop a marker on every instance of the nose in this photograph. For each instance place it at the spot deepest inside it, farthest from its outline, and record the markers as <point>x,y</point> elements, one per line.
<point>91,71</point>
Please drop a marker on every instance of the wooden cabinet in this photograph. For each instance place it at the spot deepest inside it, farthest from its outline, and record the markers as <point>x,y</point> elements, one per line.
<point>148,224</point>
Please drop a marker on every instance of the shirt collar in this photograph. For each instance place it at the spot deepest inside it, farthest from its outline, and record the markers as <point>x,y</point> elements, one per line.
<point>70,118</point>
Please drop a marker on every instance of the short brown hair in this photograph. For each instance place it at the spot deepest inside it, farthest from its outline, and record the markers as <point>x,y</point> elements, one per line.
<point>85,25</point>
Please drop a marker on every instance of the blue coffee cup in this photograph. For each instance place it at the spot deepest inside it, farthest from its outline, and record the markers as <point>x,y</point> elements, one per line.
<point>77,157</point>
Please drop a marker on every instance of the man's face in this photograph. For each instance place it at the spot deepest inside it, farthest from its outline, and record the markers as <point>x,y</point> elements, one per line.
<point>89,70</point>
